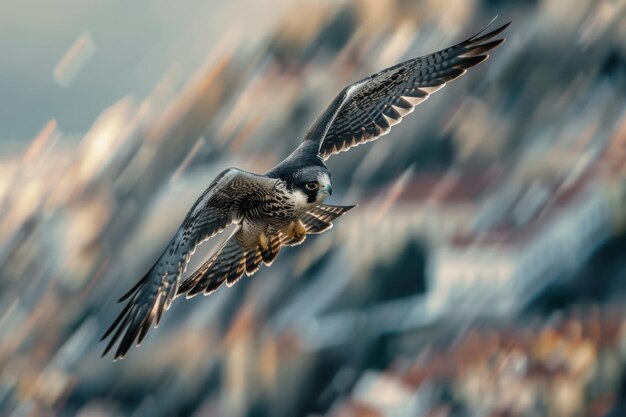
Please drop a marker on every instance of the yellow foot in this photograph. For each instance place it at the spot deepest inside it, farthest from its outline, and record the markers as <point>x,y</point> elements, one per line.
<point>299,230</point>
<point>264,242</point>
<point>295,230</point>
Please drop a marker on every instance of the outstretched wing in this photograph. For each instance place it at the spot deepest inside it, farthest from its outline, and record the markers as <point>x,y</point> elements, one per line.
<point>218,207</point>
<point>367,109</point>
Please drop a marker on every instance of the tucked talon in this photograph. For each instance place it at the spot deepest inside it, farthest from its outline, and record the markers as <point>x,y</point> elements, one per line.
<point>295,230</point>
<point>264,242</point>
<point>288,230</point>
<point>298,229</point>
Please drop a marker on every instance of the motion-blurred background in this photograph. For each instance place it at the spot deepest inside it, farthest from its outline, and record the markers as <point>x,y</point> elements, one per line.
<point>483,273</point>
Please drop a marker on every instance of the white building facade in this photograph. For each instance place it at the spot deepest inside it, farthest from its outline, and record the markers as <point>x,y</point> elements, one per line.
<point>498,272</point>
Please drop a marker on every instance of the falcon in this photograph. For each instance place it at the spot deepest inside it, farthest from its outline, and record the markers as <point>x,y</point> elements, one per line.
<point>284,205</point>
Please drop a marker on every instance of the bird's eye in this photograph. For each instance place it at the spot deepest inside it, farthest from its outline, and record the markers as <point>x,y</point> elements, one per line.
<point>311,185</point>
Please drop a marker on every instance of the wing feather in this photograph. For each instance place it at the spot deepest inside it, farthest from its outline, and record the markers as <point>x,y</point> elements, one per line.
<point>368,109</point>
<point>218,207</point>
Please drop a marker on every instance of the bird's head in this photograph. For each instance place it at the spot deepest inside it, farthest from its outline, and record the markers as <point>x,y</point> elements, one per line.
<point>313,182</point>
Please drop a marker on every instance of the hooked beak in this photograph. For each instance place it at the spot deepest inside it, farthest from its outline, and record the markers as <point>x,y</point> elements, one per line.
<point>328,189</point>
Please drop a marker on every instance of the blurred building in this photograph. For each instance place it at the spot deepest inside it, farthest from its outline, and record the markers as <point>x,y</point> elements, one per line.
<point>547,233</point>
<point>424,300</point>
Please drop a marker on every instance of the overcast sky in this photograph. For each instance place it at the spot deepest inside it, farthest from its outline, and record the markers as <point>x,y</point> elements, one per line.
<point>136,42</point>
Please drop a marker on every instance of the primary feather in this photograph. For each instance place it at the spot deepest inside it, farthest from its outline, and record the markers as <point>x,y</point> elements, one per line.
<point>368,109</point>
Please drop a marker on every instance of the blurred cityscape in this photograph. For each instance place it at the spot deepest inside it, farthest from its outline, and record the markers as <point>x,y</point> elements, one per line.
<point>482,274</point>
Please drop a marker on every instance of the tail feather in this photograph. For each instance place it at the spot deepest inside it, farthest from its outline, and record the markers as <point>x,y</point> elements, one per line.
<point>317,220</point>
<point>271,253</point>
<point>253,261</point>
<point>232,264</point>
<point>228,265</point>
<point>314,224</point>
<point>213,272</point>
<point>328,213</point>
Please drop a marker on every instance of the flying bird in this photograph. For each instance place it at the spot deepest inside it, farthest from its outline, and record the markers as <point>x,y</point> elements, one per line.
<point>284,205</point>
